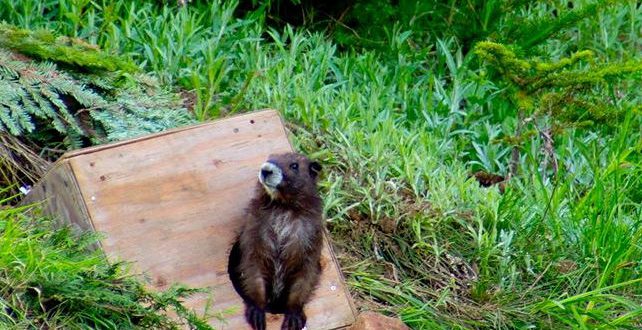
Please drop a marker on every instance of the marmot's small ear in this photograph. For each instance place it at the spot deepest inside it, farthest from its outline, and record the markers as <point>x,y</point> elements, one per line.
<point>315,169</point>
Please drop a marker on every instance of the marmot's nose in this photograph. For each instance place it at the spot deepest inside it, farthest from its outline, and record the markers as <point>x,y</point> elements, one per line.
<point>265,173</point>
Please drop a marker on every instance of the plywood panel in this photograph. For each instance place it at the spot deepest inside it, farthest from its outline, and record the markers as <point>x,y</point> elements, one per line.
<point>172,203</point>
<point>60,197</point>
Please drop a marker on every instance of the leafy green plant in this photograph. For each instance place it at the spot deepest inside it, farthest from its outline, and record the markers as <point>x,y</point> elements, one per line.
<point>554,95</point>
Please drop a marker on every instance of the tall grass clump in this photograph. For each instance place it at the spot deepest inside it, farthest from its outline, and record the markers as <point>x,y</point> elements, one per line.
<point>403,128</point>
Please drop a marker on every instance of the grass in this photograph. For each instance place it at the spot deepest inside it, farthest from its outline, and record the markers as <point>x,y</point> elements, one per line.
<point>400,131</point>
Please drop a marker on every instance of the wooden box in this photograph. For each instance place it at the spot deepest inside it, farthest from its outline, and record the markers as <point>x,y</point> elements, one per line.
<point>172,203</point>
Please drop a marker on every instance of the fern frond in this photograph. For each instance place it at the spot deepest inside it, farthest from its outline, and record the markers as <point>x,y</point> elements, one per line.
<point>8,122</point>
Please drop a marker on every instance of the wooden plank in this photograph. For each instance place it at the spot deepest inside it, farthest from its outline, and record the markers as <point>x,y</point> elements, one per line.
<point>94,149</point>
<point>60,196</point>
<point>173,203</point>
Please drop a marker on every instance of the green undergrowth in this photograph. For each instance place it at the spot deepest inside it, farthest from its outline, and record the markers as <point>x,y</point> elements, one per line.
<point>76,90</point>
<point>50,280</point>
<point>41,102</point>
<point>401,131</point>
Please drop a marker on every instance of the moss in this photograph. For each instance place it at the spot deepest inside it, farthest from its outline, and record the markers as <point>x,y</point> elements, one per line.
<point>503,57</point>
<point>74,52</point>
<point>544,67</point>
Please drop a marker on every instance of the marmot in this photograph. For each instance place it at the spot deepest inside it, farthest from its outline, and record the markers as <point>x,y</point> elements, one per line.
<point>275,263</point>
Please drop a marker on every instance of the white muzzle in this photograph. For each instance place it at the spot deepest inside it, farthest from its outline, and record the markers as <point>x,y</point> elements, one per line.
<point>270,176</point>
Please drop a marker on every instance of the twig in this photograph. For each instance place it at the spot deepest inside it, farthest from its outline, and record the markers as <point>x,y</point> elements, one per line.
<point>549,152</point>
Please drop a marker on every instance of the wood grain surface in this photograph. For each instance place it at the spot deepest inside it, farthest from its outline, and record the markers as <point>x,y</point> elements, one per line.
<point>59,195</point>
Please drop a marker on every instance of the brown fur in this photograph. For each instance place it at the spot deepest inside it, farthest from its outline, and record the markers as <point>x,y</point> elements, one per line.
<point>280,244</point>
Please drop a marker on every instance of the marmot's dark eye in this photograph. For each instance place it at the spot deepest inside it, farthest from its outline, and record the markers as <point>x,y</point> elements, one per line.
<point>294,166</point>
